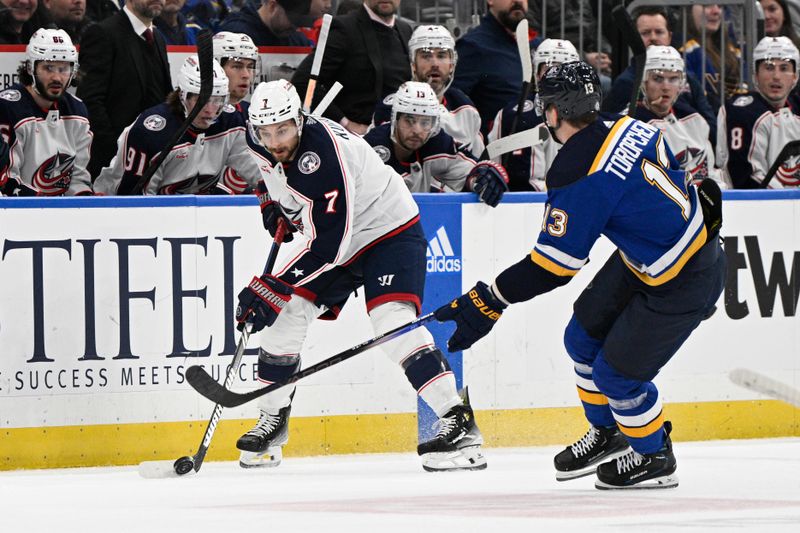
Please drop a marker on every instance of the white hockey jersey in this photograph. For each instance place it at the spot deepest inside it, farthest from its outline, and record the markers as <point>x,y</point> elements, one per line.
<point>440,165</point>
<point>194,165</point>
<point>751,134</point>
<point>341,194</point>
<point>49,149</point>
<point>460,119</point>
<point>527,168</point>
<point>687,135</point>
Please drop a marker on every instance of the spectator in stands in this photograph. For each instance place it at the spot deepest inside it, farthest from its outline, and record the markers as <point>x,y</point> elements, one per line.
<point>208,13</point>
<point>67,15</point>
<point>754,127</point>
<point>654,24</point>
<point>489,69</point>
<point>15,27</point>
<point>318,8</point>
<point>367,53</point>
<point>100,10</point>
<point>778,20</point>
<point>707,57</point>
<point>272,23</point>
<point>173,24</point>
<point>124,70</point>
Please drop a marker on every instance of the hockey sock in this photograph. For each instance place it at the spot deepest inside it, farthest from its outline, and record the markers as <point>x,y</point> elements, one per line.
<point>430,374</point>
<point>274,368</point>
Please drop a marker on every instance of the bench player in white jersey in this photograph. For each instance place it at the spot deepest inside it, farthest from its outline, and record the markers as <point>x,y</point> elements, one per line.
<point>527,167</point>
<point>686,131</point>
<point>46,128</point>
<point>427,158</point>
<point>363,228</point>
<point>215,139</point>
<point>433,61</point>
<point>238,56</point>
<point>753,128</point>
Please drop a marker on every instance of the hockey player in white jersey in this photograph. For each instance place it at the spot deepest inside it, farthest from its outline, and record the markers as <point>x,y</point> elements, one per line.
<point>685,130</point>
<point>753,128</point>
<point>428,159</point>
<point>527,168</point>
<point>46,128</point>
<point>238,56</point>
<point>433,56</point>
<point>358,218</point>
<point>215,139</point>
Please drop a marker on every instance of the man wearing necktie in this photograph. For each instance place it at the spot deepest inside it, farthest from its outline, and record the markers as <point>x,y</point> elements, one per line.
<point>125,70</point>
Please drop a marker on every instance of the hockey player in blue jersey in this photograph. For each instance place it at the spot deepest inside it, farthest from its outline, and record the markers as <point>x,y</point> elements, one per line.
<point>432,51</point>
<point>752,129</point>
<point>429,160</point>
<point>613,176</point>
<point>46,128</point>
<point>214,140</point>
<point>527,167</point>
<point>357,220</point>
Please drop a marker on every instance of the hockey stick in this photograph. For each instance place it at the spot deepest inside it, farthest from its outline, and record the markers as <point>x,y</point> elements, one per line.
<point>326,101</point>
<point>634,41</point>
<point>517,141</point>
<point>760,383</point>
<point>316,65</point>
<point>205,56</point>
<point>792,149</point>
<point>186,464</point>
<point>208,386</point>
<point>524,48</point>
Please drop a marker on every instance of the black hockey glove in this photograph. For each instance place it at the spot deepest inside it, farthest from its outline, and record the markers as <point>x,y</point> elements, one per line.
<point>262,301</point>
<point>489,181</point>
<point>12,187</point>
<point>474,313</point>
<point>271,213</point>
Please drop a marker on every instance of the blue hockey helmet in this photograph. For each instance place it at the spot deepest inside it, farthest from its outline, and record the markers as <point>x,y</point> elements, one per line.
<point>574,88</point>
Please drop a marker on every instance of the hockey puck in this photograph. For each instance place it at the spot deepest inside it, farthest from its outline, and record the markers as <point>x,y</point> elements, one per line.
<point>184,465</point>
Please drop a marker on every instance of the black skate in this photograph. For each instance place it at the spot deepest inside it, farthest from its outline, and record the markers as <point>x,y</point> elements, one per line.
<point>263,445</point>
<point>457,445</point>
<point>637,471</point>
<point>581,459</point>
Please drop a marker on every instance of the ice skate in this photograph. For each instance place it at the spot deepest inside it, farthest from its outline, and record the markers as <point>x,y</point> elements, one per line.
<point>636,471</point>
<point>262,446</point>
<point>581,459</point>
<point>457,445</point>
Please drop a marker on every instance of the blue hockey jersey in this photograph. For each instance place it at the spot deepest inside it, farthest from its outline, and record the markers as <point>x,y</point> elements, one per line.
<point>618,178</point>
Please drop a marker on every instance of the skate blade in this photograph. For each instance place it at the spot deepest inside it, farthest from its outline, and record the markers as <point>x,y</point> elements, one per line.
<point>590,469</point>
<point>663,482</point>
<point>469,458</point>
<point>159,470</point>
<point>271,458</point>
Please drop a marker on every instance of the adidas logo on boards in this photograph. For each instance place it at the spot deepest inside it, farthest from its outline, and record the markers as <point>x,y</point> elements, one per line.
<point>441,257</point>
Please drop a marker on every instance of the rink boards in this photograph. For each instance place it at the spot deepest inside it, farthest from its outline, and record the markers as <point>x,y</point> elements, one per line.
<point>106,301</point>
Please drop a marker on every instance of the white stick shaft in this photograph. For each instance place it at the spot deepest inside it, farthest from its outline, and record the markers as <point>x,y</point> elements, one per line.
<point>323,105</point>
<point>762,384</point>
<point>321,42</point>
<point>524,48</point>
<point>517,141</point>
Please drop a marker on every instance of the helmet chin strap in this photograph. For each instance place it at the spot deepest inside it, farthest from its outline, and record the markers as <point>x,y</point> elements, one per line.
<point>552,129</point>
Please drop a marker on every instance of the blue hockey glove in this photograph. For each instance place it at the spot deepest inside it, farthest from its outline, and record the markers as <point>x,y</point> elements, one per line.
<point>489,181</point>
<point>475,314</point>
<point>262,301</point>
<point>271,213</point>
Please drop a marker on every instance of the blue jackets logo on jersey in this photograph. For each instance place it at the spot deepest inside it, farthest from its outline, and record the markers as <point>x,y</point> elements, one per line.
<point>155,123</point>
<point>440,254</point>
<point>54,175</point>
<point>309,162</point>
<point>12,95</point>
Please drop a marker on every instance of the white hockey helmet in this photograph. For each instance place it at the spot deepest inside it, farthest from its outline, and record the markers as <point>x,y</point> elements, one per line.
<point>189,82</point>
<point>776,48</point>
<point>552,51</point>
<point>274,102</point>
<point>50,45</point>
<point>427,37</point>
<point>665,58</point>
<point>416,98</point>
<point>229,45</point>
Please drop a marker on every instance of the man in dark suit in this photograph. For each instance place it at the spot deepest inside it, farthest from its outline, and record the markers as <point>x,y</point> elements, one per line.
<point>125,70</point>
<point>367,53</point>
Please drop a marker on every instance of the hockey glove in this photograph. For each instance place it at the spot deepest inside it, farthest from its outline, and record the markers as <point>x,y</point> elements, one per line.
<point>271,213</point>
<point>262,301</point>
<point>474,313</point>
<point>12,187</point>
<point>489,180</point>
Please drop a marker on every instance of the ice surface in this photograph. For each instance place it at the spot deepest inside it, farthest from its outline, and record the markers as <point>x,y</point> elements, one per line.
<point>749,485</point>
